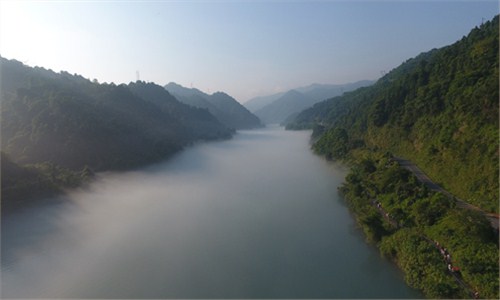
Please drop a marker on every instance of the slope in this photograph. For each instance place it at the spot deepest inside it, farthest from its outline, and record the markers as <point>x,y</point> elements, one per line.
<point>291,102</point>
<point>197,122</point>
<point>439,109</point>
<point>317,92</point>
<point>225,108</point>
<point>288,105</point>
<point>257,103</point>
<point>71,123</point>
<point>320,92</point>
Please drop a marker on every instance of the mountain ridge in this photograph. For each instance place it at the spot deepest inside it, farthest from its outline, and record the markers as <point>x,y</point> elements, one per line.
<point>56,125</point>
<point>224,107</point>
<point>289,103</point>
<point>280,107</point>
<point>316,91</point>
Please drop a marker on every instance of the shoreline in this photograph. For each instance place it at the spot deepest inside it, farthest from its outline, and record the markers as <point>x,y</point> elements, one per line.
<point>56,191</point>
<point>395,233</point>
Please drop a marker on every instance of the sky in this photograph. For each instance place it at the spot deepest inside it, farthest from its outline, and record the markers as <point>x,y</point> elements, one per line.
<point>244,48</point>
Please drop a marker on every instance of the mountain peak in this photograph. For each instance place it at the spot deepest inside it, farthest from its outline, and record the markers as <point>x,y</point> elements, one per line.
<point>181,90</point>
<point>221,105</point>
<point>219,93</point>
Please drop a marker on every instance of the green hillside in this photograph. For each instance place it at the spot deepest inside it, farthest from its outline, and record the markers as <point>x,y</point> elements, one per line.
<point>439,109</point>
<point>71,123</point>
<point>412,225</point>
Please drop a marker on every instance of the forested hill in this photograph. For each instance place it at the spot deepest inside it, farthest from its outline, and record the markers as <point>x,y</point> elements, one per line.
<point>198,123</point>
<point>224,107</point>
<point>62,124</point>
<point>439,109</point>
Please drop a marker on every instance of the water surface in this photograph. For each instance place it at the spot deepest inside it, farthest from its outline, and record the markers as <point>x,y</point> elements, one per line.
<point>257,216</point>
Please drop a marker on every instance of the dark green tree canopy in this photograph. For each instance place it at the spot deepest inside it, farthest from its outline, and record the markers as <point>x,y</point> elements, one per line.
<point>439,109</point>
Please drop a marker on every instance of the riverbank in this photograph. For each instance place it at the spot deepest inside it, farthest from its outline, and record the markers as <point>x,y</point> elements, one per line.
<point>255,217</point>
<point>26,185</point>
<point>399,214</point>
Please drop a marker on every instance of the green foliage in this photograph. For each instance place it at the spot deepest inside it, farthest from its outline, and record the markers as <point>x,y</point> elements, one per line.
<point>334,144</point>
<point>428,210</point>
<point>422,264</point>
<point>474,248</point>
<point>415,219</point>
<point>60,123</point>
<point>439,109</point>
<point>23,184</point>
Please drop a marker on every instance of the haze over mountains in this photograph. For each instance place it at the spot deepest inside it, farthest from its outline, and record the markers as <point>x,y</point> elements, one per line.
<point>224,107</point>
<point>58,128</point>
<point>278,107</point>
<point>438,109</point>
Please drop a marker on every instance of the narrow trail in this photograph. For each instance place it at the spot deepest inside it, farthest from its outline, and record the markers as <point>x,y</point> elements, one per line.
<point>492,217</point>
<point>451,269</point>
<point>446,256</point>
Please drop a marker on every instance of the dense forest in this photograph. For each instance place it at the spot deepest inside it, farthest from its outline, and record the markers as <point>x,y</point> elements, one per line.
<point>439,109</point>
<point>61,128</point>
<point>444,250</point>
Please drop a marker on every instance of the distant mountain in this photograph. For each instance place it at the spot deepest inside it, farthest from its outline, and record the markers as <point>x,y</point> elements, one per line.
<point>315,91</point>
<point>54,126</point>
<point>279,107</point>
<point>198,123</point>
<point>224,107</point>
<point>289,103</point>
<point>257,103</point>
<point>320,92</point>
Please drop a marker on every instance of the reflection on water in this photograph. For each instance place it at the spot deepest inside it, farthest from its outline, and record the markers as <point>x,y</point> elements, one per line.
<point>258,216</point>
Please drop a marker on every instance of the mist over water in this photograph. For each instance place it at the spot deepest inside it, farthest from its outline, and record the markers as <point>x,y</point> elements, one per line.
<point>257,216</point>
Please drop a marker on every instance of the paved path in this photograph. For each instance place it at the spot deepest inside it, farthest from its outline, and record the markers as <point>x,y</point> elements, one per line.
<point>492,217</point>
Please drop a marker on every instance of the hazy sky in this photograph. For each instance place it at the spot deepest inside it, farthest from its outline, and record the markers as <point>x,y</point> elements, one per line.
<point>245,48</point>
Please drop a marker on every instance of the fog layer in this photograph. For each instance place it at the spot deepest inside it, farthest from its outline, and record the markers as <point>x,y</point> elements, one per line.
<point>254,217</point>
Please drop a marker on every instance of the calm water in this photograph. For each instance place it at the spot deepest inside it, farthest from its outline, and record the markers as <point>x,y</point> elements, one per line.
<point>254,217</point>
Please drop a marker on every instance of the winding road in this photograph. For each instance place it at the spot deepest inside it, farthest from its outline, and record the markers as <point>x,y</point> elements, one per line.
<point>492,217</point>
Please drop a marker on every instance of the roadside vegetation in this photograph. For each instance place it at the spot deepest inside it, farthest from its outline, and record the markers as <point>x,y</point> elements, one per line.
<point>410,224</point>
<point>440,110</point>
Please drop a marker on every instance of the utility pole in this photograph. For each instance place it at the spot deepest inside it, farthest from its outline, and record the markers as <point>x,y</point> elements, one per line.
<point>138,77</point>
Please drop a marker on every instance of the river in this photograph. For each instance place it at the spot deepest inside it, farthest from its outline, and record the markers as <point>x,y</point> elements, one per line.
<point>257,216</point>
